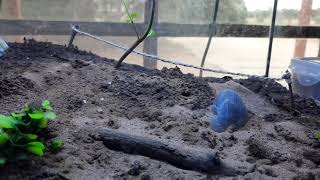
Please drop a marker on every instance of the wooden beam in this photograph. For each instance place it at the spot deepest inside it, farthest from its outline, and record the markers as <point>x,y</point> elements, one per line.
<point>35,27</point>
<point>14,11</point>
<point>151,43</point>
<point>14,8</point>
<point>28,27</point>
<point>304,20</point>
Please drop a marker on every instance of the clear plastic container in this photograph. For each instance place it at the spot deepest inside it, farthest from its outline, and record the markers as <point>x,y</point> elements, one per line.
<point>3,46</point>
<point>306,77</point>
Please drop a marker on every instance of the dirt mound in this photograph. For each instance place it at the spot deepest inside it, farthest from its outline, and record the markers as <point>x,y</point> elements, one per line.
<point>88,93</point>
<point>158,91</point>
<point>14,86</point>
<point>280,96</point>
<point>275,93</point>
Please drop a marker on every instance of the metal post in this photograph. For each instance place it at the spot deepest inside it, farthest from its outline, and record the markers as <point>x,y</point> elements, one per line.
<point>213,30</point>
<point>73,35</point>
<point>271,35</point>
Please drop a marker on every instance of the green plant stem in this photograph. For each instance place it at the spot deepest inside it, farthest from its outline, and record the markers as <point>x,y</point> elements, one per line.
<point>140,40</point>
<point>130,18</point>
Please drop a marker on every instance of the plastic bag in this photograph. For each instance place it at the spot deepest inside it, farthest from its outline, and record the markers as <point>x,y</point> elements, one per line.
<point>228,109</point>
<point>306,70</point>
<point>3,47</point>
<point>306,77</point>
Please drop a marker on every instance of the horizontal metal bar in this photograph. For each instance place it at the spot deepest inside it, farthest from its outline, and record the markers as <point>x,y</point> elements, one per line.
<point>30,27</point>
<point>33,27</point>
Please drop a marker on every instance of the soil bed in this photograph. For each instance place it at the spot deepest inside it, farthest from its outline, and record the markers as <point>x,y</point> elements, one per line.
<point>88,93</point>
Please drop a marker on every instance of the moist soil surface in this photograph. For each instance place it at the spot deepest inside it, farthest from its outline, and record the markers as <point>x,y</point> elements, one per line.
<point>88,93</point>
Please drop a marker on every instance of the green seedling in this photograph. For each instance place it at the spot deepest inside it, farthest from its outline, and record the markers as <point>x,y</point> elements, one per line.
<point>56,145</point>
<point>152,33</point>
<point>133,16</point>
<point>318,136</point>
<point>18,132</point>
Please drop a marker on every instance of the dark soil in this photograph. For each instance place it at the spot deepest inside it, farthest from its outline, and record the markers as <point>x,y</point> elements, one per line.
<point>280,96</point>
<point>89,93</point>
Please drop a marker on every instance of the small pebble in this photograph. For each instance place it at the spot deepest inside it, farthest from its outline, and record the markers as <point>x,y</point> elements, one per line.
<point>100,110</point>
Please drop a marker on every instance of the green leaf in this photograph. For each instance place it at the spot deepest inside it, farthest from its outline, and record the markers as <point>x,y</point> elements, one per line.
<point>31,137</point>
<point>26,108</point>
<point>17,116</point>
<point>36,116</point>
<point>50,115</point>
<point>56,145</point>
<point>152,33</point>
<point>318,136</point>
<point>20,122</point>
<point>35,148</point>
<point>6,122</point>
<point>3,137</point>
<point>37,144</point>
<point>134,15</point>
<point>46,105</point>
<point>2,162</point>
<point>43,123</point>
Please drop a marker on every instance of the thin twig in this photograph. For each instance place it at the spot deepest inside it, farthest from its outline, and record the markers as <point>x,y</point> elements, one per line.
<point>140,40</point>
<point>212,32</point>
<point>130,18</point>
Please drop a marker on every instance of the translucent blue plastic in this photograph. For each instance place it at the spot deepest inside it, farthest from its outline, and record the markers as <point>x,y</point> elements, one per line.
<point>306,77</point>
<point>228,109</point>
<point>3,46</point>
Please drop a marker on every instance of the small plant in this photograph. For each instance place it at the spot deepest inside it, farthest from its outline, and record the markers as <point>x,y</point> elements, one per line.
<point>318,136</point>
<point>133,16</point>
<point>146,34</point>
<point>18,132</point>
<point>56,145</point>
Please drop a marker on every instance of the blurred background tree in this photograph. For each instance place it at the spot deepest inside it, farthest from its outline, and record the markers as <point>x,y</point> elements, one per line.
<point>171,11</point>
<point>201,12</point>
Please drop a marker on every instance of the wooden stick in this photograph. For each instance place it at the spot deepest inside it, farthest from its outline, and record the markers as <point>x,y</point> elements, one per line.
<point>188,159</point>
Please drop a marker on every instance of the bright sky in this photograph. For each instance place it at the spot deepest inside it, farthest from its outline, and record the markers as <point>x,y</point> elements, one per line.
<point>282,4</point>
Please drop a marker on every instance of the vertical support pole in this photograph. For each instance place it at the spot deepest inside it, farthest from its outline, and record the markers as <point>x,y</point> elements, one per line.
<point>14,10</point>
<point>212,31</point>
<point>271,36</point>
<point>287,78</point>
<point>73,35</point>
<point>319,49</point>
<point>151,43</point>
<point>304,20</point>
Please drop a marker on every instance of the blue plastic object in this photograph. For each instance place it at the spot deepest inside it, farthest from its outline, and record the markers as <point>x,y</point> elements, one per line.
<point>228,109</point>
<point>3,47</point>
